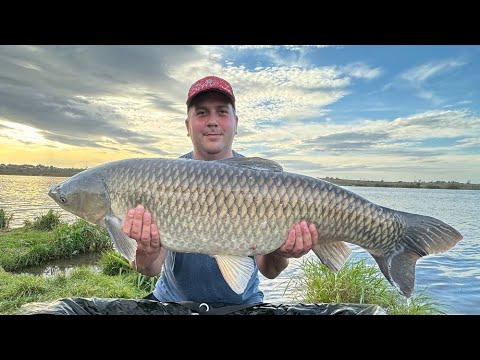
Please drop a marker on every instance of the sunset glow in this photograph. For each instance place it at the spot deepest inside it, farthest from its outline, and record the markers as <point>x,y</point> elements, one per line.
<point>358,112</point>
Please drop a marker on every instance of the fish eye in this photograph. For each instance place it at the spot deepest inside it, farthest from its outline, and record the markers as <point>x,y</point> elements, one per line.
<point>63,199</point>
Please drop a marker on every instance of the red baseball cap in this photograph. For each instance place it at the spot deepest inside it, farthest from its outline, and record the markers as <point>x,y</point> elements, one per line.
<point>211,83</point>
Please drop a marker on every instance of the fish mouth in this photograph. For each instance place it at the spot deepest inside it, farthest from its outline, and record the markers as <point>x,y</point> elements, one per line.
<point>54,192</point>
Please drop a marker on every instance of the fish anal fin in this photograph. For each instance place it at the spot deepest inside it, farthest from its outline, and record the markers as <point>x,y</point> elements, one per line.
<point>333,255</point>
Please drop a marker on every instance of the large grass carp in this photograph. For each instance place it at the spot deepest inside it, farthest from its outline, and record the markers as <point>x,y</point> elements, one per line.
<point>239,207</point>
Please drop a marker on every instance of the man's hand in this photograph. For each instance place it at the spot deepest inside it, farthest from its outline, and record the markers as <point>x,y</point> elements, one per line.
<point>301,239</point>
<point>150,254</point>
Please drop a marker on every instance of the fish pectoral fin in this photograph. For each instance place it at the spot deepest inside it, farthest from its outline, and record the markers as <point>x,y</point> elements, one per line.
<point>124,245</point>
<point>236,270</point>
<point>333,255</point>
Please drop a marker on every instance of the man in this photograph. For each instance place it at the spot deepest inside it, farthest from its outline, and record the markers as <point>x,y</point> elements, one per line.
<point>211,124</point>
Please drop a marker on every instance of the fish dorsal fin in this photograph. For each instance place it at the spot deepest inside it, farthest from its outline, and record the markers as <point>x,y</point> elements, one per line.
<point>236,270</point>
<point>254,163</point>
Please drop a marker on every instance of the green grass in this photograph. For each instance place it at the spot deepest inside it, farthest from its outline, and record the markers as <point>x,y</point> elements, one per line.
<point>20,248</point>
<point>357,282</point>
<point>23,247</point>
<point>116,280</point>
<point>16,290</point>
<point>112,263</point>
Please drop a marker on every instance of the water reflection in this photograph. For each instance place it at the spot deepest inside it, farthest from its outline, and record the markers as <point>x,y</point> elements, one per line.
<point>53,268</point>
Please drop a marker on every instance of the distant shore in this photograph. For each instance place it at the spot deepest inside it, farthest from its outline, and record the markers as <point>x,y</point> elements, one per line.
<point>41,170</point>
<point>37,170</point>
<point>451,185</point>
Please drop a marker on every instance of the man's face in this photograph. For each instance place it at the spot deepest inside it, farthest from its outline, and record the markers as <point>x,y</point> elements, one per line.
<point>212,125</point>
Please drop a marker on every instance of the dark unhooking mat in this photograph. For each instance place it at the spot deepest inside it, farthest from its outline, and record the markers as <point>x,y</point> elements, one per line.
<point>107,306</point>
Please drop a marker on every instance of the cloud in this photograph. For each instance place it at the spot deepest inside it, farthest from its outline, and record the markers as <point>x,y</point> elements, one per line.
<point>75,141</point>
<point>268,93</point>
<point>285,92</point>
<point>265,55</point>
<point>58,117</point>
<point>362,71</point>
<point>369,141</point>
<point>135,94</point>
<point>437,123</point>
<point>468,142</point>
<point>422,73</point>
<point>93,92</point>
<point>419,80</point>
<point>287,47</point>
<point>347,141</point>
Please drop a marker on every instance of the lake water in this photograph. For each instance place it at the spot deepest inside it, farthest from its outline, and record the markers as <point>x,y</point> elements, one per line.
<point>27,197</point>
<point>451,278</point>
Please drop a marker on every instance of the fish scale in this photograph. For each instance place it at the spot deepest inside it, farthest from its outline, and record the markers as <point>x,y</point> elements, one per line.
<point>246,206</point>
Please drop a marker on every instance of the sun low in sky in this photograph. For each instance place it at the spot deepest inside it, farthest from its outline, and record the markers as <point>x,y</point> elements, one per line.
<point>357,112</point>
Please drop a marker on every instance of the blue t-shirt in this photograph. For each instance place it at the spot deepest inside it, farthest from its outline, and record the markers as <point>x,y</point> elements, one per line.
<point>197,277</point>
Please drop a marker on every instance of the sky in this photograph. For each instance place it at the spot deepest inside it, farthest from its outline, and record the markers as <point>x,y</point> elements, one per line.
<point>377,112</point>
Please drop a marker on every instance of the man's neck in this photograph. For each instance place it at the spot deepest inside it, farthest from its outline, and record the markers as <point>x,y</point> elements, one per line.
<point>197,155</point>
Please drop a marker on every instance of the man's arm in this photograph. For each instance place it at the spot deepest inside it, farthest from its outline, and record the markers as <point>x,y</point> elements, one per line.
<point>301,239</point>
<point>150,254</point>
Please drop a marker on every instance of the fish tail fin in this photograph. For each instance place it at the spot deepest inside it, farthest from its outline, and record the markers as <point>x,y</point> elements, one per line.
<point>422,236</point>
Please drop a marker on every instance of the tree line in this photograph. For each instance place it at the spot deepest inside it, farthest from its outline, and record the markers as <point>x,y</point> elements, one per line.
<point>37,170</point>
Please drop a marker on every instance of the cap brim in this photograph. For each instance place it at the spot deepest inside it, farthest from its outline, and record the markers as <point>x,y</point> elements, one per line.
<point>229,96</point>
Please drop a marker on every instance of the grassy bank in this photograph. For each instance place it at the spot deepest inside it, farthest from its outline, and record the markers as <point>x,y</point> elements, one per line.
<point>23,247</point>
<point>116,280</point>
<point>45,239</point>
